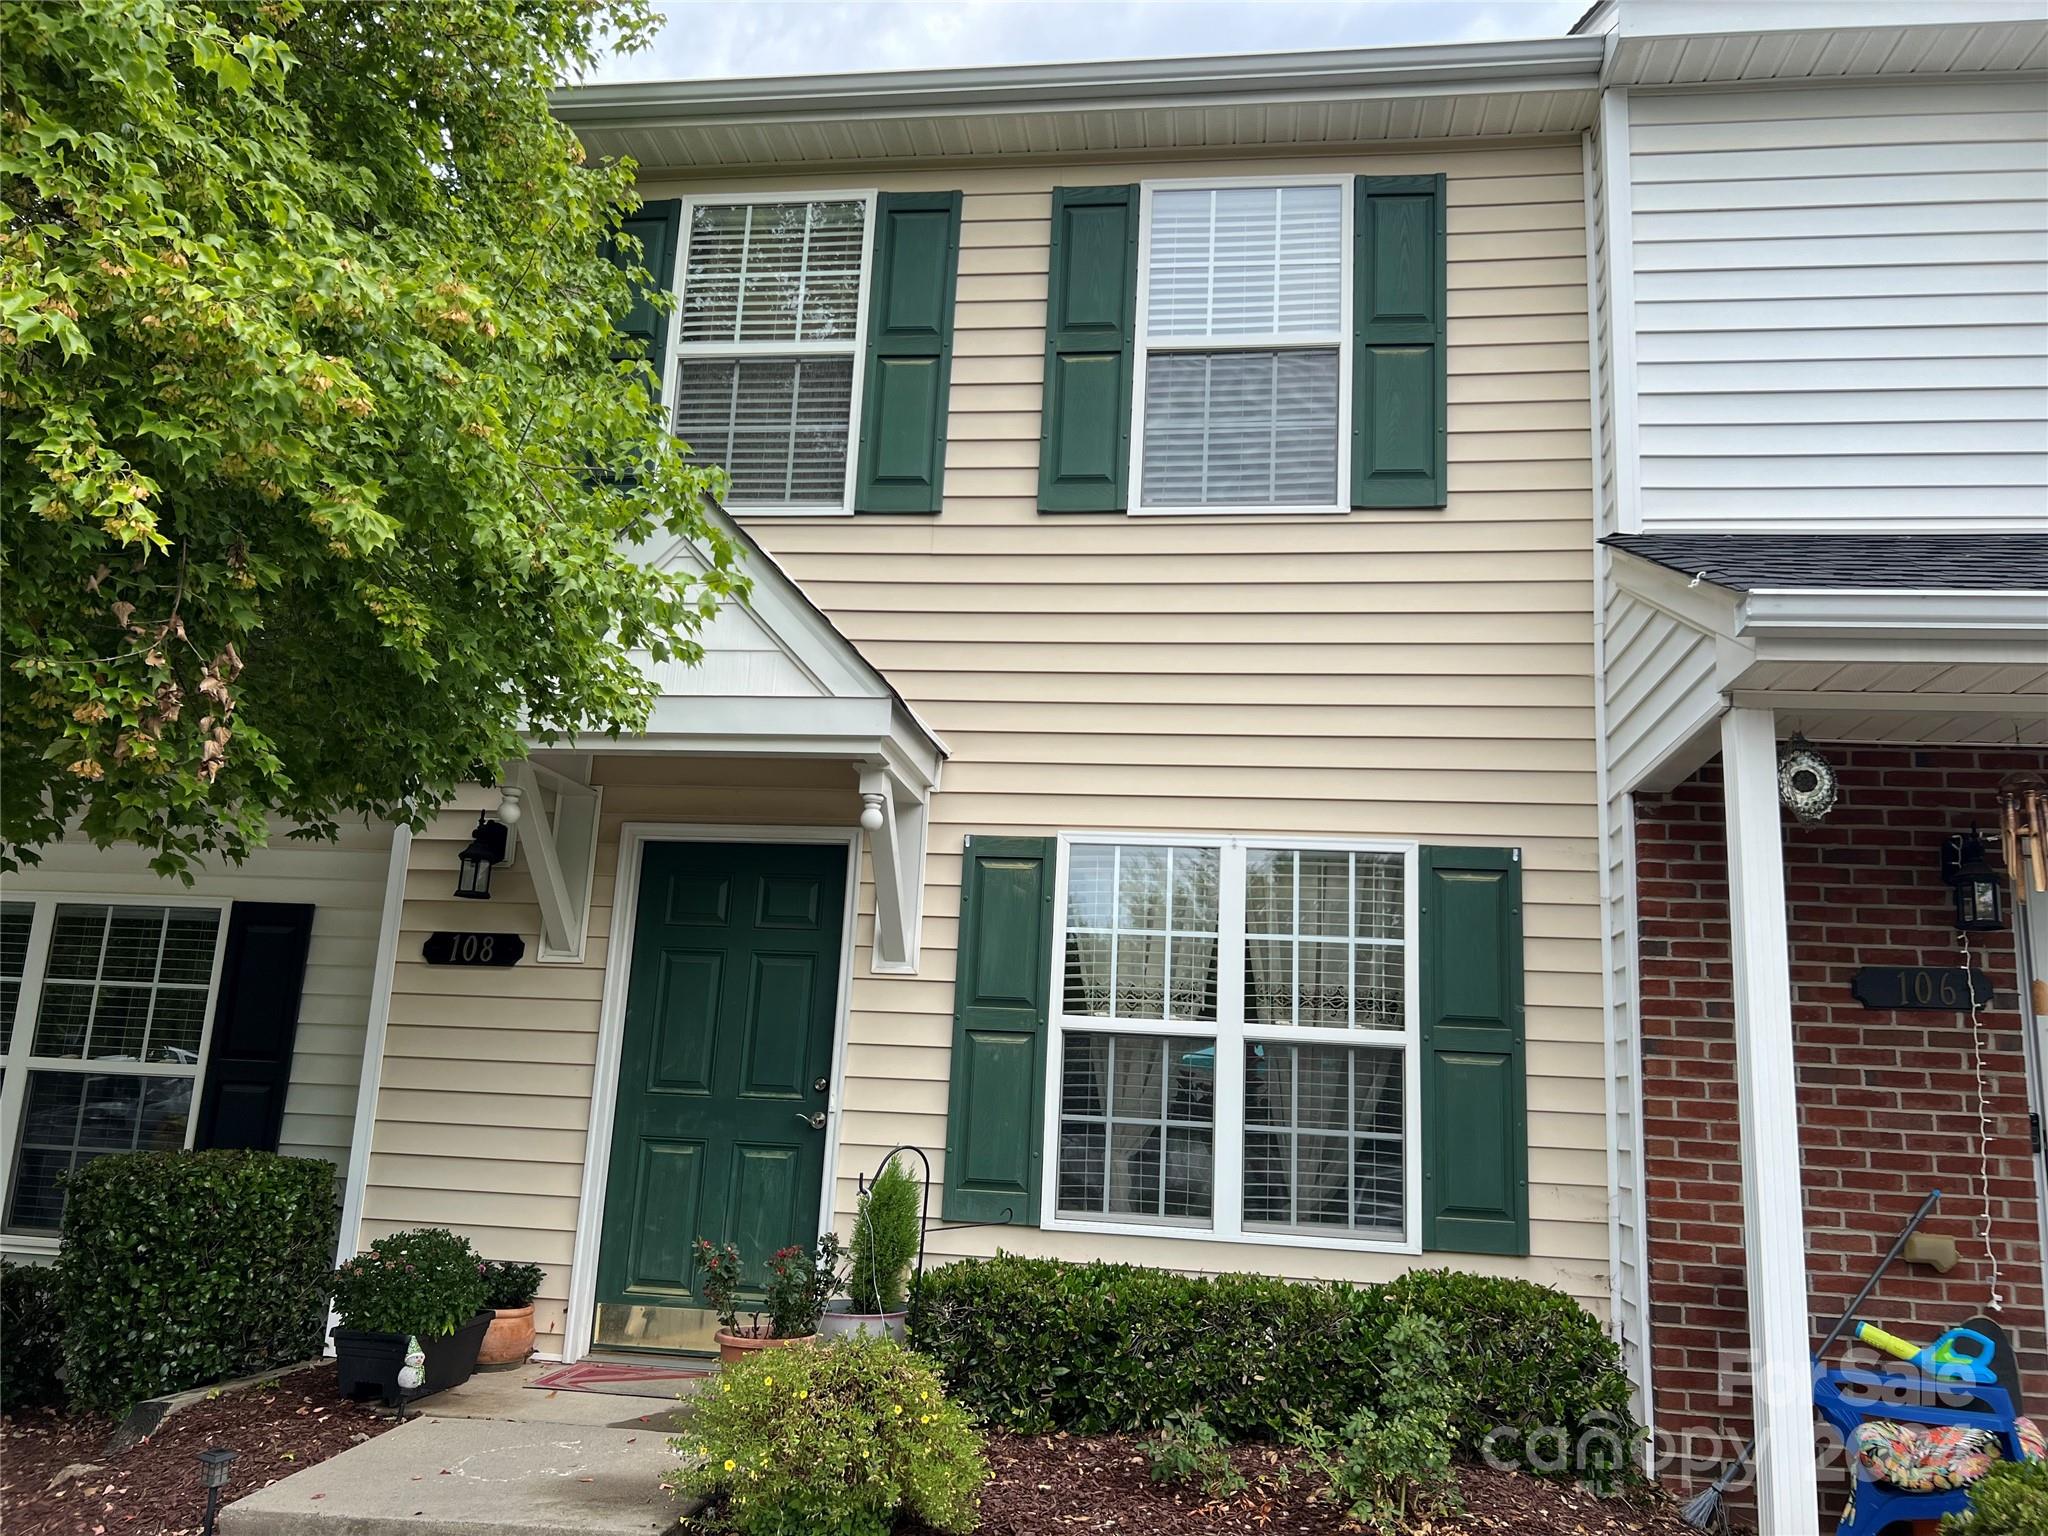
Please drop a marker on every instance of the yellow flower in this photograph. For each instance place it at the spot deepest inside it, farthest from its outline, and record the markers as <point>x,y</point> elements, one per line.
<point>769,1379</point>
<point>730,1463</point>
<point>924,1418</point>
<point>725,1386</point>
<point>703,1450</point>
<point>801,1394</point>
<point>896,1408</point>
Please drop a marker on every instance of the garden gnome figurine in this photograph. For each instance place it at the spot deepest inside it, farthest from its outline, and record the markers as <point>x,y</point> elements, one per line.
<point>414,1371</point>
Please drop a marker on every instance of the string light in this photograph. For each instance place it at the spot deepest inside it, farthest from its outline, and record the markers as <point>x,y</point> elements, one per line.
<point>1994,1301</point>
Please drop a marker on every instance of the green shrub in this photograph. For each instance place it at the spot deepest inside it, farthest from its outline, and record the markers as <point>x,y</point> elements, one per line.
<point>1189,1452</point>
<point>1391,1464</point>
<point>885,1239</point>
<point>1035,1345</point>
<point>183,1268</point>
<point>510,1285</point>
<point>839,1439</point>
<point>31,1337</point>
<point>426,1282</point>
<point>2009,1500</point>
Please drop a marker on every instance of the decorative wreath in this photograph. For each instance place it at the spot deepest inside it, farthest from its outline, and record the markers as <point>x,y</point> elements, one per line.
<point>1806,781</point>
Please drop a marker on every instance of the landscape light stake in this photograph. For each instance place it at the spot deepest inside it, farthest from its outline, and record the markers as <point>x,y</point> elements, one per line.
<point>213,1476</point>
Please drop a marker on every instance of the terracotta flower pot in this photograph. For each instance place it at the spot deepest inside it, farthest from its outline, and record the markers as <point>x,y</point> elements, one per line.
<point>737,1346</point>
<point>509,1339</point>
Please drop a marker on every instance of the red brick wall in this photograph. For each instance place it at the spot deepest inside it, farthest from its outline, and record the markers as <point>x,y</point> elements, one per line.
<point>1887,1099</point>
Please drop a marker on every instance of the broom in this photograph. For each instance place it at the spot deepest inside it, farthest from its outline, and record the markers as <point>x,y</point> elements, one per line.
<point>1703,1511</point>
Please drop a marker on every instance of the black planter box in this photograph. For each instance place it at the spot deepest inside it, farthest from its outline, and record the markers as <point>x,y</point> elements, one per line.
<point>369,1363</point>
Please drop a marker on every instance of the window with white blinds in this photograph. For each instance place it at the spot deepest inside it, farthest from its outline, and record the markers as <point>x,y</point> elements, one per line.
<point>1241,347</point>
<point>766,371</point>
<point>1235,1039</point>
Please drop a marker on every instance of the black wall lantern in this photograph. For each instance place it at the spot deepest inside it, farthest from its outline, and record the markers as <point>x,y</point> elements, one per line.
<point>485,852</point>
<point>1978,888</point>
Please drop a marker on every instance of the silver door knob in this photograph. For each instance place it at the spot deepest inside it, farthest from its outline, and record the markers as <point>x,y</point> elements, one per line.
<point>816,1122</point>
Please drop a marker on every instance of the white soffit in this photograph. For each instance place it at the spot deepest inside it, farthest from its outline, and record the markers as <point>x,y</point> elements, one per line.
<point>1284,101</point>
<point>1687,42</point>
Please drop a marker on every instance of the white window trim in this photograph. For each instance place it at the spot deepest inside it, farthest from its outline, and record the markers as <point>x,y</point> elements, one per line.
<point>857,348</point>
<point>1227,1181</point>
<point>19,1062</point>
<point>1142,344</point>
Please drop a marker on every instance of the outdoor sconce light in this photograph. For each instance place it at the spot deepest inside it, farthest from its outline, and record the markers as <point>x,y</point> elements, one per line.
<point>485,852</point>
<point>1978,888</point>
<point>213,1476</point>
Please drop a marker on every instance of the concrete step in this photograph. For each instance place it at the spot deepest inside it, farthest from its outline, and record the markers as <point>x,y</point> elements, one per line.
<point>476,1477</point>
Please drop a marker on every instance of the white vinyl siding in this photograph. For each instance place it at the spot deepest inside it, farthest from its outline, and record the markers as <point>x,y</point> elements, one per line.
<point>1841,307</point>
<point>1242,336</point>
<point>768,352</point>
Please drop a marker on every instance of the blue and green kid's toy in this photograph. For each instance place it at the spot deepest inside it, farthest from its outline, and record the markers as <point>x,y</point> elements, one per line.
<point>1961,1354</point>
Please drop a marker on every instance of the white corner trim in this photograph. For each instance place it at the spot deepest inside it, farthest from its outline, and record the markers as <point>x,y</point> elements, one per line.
<point>1618,208</point>
<point>376,1025</point>
<point>634,836</point>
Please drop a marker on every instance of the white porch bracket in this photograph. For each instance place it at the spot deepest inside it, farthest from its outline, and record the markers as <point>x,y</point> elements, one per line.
<point>1773,1221</point>
<point>894,814</point>
<point>561,843</point>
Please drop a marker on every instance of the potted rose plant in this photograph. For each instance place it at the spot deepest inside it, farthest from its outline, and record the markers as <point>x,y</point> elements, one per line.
<point>412,1315</point>
<point>886,1227</point>
<point>799,1282</point>
<point>509,1290</point>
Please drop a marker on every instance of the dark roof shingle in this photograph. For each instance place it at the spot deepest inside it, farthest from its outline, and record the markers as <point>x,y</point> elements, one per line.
<point>1742,562</point>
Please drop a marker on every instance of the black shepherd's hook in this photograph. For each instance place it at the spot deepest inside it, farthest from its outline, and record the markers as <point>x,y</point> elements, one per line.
<point>924,1210</point>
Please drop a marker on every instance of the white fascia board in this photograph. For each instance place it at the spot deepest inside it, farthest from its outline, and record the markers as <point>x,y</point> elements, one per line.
<point>1563,63</point>
<point>1896,613</point>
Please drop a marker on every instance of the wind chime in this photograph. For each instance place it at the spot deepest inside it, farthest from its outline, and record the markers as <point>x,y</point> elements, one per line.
<point>2023,828</point>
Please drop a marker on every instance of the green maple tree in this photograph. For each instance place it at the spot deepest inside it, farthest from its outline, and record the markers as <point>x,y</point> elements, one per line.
<point>323,475</point>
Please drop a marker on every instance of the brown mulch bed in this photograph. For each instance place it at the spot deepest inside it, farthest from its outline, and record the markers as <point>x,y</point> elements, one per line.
<point>1081,1485</point>
<point>152,1489</point>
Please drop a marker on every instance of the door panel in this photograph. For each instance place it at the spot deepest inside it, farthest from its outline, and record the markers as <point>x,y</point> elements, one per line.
<point>730,1006</point>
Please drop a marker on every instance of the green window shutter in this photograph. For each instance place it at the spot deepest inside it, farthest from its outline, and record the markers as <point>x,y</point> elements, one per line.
<point>995,1116</point>
<point>1084,450</point>
<point>1475,1117</point>
<point>910,353</point>
<point>1398,384</point>
<point>658,228</point>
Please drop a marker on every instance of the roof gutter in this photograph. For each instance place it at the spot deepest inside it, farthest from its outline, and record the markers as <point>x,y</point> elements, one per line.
<point>1972,614</point>
<point>1565,63</point>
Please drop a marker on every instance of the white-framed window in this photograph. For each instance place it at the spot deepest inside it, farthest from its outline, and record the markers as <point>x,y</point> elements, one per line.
<point>1235,1040</point>
<point>106,1006</point>
<point>1242,383</point>
<point>771,330</point>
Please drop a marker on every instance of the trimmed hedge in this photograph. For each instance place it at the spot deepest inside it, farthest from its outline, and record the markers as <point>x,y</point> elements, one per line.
<point>183,1268</point>
<point>31,1337</point>
<point>1037,1345</point>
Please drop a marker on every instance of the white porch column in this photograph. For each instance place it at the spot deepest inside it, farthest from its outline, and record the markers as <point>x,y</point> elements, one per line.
<point>1773,1224</point>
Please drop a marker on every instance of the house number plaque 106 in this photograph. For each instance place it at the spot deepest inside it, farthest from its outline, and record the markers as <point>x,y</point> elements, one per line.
<point>473,949</point>
<point>1936,988</point>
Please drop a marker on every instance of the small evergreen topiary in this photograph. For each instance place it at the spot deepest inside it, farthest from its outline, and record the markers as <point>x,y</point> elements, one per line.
<point>886,1228</point>
<point>507,1284</point>
<point>183,1268</point>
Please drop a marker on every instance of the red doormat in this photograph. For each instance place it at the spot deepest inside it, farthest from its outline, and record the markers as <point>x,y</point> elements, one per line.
<point>619,1379</point>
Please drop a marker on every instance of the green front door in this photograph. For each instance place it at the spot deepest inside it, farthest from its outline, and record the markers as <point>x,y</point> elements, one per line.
<point>723,1073</point>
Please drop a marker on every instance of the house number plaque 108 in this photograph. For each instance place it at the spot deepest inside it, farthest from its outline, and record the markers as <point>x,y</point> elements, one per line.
<point>473,949</point>
<point>1938,988</point>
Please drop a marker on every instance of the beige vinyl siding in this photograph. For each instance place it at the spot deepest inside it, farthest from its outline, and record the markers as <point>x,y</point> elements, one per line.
<point>484,1102</point>
<point>1418,675</point>
<point>344,884</point>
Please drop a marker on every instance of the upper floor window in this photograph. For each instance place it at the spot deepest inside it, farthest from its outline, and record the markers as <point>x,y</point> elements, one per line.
<point>768,346</point>
<point>1243,336</point>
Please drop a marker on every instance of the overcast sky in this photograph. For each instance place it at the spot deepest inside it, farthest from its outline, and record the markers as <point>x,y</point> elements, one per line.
<point>713,39</point>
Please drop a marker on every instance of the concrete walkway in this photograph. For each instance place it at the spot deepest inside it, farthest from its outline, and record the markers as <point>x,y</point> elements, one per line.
<point>492,1457</point>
